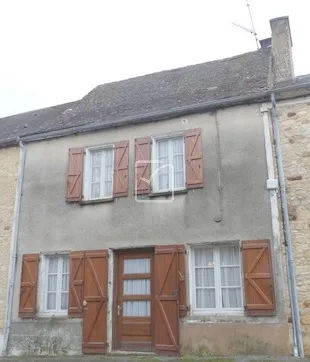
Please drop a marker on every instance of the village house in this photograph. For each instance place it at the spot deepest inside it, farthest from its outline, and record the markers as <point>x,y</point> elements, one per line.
<point>149,216</point>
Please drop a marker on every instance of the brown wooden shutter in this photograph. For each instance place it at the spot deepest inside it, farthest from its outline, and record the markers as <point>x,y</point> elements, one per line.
<point>193,157</point>
<point>28,286</point>
<point>75,174</point>
<point>169,293</point>
<point>182,281</point>
<point>121,161</point>
<point>258,279</point>
<point>142,165</point>
<point>76,287</point>
<point>95,297</point>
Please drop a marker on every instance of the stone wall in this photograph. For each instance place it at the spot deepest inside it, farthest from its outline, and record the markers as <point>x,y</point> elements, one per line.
<point>294,122</point>
<point>8,179</point>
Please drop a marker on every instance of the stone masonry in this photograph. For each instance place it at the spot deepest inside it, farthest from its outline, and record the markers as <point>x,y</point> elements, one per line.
<point>294,122</point>
<point>9,159</point>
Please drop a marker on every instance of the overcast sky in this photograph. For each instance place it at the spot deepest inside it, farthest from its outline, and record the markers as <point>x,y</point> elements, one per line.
<point>56,51</point>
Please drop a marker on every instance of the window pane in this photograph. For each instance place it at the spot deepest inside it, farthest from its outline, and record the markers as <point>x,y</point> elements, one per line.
<point>162,147</point>
<point>52,264</point>
<point>96,174</point>
<point>51,301</point>
<point>52,283</point>
<point>231,298</point>
<point>137,308</point>
<point>178,162</point>
<point>96,158</point>
<point>134,266</point>
<point>178,146</point>
<point>204,257</point>
<point>64,301</point>
<point>95,191</point>
<point>137,287</point>
<point>230,255</point>
<point>163,181</point>
<point>230,276</point>
<point>205,298</point>
<point>205,277</point>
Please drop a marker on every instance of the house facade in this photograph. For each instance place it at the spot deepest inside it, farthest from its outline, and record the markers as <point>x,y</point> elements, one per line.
<point>149,216</point>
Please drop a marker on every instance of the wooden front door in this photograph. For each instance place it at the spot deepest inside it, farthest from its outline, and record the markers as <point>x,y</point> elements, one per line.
<point>95,302</point>
<point>134,301</point>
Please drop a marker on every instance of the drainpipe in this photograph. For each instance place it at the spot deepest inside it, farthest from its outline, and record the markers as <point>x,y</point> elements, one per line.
<point>12,267</point>
<point>287,234</point>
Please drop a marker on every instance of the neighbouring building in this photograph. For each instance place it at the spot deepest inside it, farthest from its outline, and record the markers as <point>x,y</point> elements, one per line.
<point>149,215</point>
<point>9,162</point>
<point>294,122</point>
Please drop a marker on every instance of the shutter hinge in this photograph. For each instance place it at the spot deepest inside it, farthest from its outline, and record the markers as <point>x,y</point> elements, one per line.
<point>188,308</point>
<point>107,344</point>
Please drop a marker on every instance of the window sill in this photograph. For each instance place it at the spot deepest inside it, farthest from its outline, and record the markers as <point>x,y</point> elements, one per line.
<point>167,193</point>
<point>98,201</point>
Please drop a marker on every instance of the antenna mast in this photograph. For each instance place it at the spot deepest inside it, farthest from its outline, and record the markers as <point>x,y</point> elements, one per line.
<point>255,34</point>
<point>251,31</point>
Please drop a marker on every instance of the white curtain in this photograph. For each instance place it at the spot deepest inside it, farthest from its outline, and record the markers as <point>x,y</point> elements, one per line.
<point>52,282</point>
<point>101,173</point>
<point>163,168</point>
<point>204,275</point>
<point>230,277</point>
<point>137,287</point>
<point>178,162</point>
<point>64,283</point>
<point>134,266</point>
<point>137,308</point>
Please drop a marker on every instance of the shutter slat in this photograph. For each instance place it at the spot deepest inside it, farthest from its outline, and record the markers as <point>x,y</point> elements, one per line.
<point>170,296</point>
<point>75,174</point>
<point>121,161</point>
<point>28,286</point>
<point>142,165</point>
<point>76,286</point>
<point>258,278</point>
<point>193,157</point>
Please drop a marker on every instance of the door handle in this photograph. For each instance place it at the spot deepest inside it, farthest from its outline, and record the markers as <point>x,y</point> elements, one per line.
<point>84,303</point>
<point>119,309</point>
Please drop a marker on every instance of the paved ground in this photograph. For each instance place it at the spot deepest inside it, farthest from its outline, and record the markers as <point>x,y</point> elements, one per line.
<point>151,359</point>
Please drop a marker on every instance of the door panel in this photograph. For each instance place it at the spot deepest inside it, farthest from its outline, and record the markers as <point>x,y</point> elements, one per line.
<point>134,301</point>
<point>95,302</point>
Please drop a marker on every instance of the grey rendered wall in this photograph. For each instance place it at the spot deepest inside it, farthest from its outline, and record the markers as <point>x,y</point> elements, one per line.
<point>47,223</point>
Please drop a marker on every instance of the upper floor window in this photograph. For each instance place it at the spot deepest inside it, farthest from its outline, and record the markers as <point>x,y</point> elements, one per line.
<point>98,173</point>
<point>56,286</point>
<point>168,164</point>
<point>217,279</point>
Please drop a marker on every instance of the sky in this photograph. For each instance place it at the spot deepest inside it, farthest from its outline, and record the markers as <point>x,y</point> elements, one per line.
<point>53,52</point>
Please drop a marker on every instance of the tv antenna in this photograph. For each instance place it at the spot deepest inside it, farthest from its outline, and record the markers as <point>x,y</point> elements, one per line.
<point>251,31</point>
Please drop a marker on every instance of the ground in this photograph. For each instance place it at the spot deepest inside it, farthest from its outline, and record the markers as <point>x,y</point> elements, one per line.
<point>152,359</point>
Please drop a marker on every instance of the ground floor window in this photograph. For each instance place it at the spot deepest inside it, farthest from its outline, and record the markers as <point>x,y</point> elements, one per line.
<point>216,278</point>
<point>56,286</point>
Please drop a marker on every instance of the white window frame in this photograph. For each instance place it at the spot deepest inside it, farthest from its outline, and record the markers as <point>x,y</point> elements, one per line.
<point>43,284</point>
<point>88,174</point>
<point>217,279</point>
<point>154,178</point>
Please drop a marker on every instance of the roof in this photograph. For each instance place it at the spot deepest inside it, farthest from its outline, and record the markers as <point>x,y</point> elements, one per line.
<point>36,121</point>
<point>241,75</point>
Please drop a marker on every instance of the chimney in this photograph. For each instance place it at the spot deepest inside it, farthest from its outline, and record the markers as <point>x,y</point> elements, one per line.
<point>281,49</point>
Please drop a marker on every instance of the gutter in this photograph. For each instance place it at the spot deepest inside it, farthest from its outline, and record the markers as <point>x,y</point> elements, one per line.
<point>13,252</point>
<point>159,116</point>
<point>287,236</point>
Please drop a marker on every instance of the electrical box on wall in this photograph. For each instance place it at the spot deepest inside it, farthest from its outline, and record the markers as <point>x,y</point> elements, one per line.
<point>272,184</point>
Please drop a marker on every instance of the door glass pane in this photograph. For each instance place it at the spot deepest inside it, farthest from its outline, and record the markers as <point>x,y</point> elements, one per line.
<point>137,287</point>
<point>134,266</point>
<point>140,308</point>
